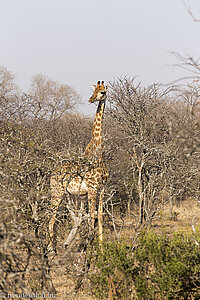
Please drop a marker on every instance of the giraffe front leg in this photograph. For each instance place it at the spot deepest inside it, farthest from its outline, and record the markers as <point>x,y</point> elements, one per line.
<point>100,215</point>
<point>57,193</point>
<point>54,208</point>
<point>92,202</point>
<point>52,235</point>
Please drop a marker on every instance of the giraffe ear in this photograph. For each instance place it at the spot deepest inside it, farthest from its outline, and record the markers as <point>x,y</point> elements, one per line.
<point>106,88</point>
<point>93,87</point>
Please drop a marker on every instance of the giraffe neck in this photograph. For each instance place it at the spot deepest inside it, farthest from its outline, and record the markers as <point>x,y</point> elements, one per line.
<point>97,127</point>
<point>96,142</point>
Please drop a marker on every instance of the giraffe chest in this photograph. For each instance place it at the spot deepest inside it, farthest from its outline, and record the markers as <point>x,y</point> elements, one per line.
<point>81,186</point>
<point>77,186</point>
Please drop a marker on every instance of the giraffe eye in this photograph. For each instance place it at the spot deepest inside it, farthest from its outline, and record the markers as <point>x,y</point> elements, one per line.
<point>103,93</point>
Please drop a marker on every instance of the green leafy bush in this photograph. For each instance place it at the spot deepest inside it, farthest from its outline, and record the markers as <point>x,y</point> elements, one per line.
<point>159,267</point>
<point>169,267</point>
<point>114,271</point>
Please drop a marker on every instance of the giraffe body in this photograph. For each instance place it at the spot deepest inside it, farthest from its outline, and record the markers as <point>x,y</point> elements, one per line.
<point>88,176</point>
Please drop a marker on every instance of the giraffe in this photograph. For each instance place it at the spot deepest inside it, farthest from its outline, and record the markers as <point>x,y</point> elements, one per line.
<point>88,180</point>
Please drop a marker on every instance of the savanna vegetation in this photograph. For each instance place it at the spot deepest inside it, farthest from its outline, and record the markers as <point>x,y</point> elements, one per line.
<point>152,143</point>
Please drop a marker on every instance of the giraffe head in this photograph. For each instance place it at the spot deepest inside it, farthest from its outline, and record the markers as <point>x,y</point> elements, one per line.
<point>99,93</point>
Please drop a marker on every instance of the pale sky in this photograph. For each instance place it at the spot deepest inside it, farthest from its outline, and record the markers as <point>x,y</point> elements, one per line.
<point>79,42</point>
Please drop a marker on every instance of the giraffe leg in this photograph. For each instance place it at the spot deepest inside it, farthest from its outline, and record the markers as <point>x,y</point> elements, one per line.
<point>54,206</point>
<point>100,215</point>
<point>57,193</point>
<point>92,202</point>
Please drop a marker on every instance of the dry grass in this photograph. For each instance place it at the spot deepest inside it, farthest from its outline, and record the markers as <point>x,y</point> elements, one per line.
<point>185,215</point>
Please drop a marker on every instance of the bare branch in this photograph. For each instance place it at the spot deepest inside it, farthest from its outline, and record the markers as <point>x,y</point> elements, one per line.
<point>189,10</point>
